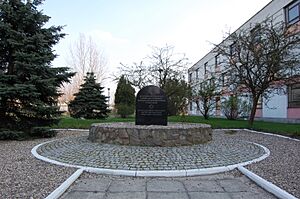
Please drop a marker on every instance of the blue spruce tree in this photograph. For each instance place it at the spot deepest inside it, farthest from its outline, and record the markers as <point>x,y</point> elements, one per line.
<point>89,102</point>
<point>28,83</point>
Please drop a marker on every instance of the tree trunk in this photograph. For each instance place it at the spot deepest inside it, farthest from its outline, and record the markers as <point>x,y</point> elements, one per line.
<point>253,110</point>
<point>206,109</point>
<point>206,117</point>
<point>3,109</point>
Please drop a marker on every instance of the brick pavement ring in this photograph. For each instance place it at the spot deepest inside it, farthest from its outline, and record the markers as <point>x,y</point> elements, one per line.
<point>80,152</point>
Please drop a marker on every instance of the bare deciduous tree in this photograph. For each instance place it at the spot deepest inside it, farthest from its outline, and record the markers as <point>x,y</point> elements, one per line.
<point>261,59</point>
<point>162,64</point>
<point>137,74</point>
<point>165,64</point>
<point>165,69</point>
<point>204,97</point>
<point>84,56</point>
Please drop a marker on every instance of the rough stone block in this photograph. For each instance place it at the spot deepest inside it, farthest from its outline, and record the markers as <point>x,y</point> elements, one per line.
<point>129,134</point>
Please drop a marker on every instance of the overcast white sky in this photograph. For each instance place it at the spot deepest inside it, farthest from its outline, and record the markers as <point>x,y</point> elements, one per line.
<point>125,29</point>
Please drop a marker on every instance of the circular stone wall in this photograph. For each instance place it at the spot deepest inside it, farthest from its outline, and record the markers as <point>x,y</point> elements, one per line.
<point>175,134</point>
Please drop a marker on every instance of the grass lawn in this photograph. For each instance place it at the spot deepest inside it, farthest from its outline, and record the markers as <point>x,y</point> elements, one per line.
<point>69,122</point>
<point>217,123</point>
<point>278,128</point>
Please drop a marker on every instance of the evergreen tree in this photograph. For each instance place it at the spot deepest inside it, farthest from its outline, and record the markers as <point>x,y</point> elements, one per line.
<point>89,102</point>
<point>28,83</point>
<point>124,98</point>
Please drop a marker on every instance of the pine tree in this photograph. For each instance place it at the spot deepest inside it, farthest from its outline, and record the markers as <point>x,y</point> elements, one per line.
<point>124,98</point>
<point>28,83</point>
<point>89,102</point>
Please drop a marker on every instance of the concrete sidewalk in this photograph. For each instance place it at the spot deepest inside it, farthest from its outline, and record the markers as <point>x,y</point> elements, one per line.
<point>229,185</point>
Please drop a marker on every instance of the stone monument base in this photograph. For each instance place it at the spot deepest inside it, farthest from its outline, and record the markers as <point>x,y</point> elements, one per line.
<point>175,134</point>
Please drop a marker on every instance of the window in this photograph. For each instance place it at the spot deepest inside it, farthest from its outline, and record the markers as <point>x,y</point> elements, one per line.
<point>190,77</point>
<point>256,34</point>
<point>292,12</point>
<point>233,49</point>
<point>197,73</point>
<point>294,95</point>
<point>205,67</point>
<point>201,86</point>
<point>211,82</point>
<point>217,61</point>
<point>223,79</point>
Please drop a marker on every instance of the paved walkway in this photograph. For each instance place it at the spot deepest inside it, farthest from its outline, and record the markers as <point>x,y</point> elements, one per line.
<point>231,185</point>
<point>219,152</point>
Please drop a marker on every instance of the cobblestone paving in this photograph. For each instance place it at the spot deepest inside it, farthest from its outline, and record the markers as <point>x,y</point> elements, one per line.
<point>219,152</point>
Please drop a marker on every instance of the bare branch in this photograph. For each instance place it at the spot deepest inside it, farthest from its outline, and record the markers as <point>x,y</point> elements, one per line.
<point>84,56</point>
<point>264,56</point>
<point>162,64</point>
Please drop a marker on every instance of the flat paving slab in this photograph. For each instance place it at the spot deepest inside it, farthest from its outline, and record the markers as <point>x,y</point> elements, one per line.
<point>231,185</point>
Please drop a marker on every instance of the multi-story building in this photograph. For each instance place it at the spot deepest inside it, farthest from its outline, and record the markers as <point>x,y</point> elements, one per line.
<point>284,106</point>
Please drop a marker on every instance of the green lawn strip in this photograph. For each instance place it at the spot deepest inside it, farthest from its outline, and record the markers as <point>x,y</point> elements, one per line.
<point>279,128</point>
<point>69,122</point>
<point>216,123</point>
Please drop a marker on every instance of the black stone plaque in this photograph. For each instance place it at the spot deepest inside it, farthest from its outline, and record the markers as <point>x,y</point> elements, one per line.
<point>151,107</point>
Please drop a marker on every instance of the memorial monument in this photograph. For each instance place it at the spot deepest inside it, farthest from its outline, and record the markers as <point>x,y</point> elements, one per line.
<point>151,107</point>
<point>151,126</point>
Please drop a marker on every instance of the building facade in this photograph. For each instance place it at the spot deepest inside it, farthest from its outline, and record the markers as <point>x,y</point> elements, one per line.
<point>284,106</point>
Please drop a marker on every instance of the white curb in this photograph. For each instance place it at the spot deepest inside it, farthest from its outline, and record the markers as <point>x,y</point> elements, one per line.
<point>280,193</point>
<point>170,173</point>
<point>276,135</point>
<point>38,156</point>
<point>110,171</point>
<point>65,185</point>
<point>162,173</point>
<point>264,133</point>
